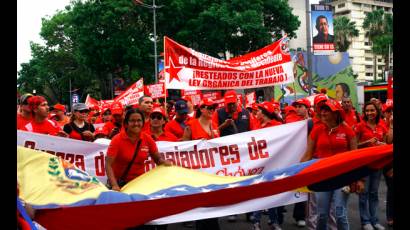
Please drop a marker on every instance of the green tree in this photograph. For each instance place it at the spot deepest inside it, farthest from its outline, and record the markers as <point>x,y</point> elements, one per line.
<point>379,28</point>
<point>345,30</point>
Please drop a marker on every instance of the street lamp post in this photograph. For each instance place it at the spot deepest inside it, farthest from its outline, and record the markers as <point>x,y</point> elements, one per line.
<point>153,7</point>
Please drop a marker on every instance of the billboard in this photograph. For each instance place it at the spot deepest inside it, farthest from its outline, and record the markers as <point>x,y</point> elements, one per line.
<point>322,29</point>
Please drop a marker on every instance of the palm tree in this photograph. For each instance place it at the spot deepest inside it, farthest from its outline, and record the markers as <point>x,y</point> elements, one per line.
<point>345,30</point>
<point>379,28</point>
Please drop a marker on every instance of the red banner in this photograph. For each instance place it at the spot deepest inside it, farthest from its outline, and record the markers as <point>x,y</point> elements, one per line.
<point>195,95</point>
<point>91,102</point>
<point>155,91</point>
<point>189,69</point>
<point>390,87</point>
<point>132,94</point>
<point>212,95</point>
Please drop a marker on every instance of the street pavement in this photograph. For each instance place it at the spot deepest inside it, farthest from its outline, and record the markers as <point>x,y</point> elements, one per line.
<point>289,223</point>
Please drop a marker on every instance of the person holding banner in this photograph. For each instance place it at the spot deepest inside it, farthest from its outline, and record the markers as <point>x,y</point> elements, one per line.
<point>129,149</point>
<point>40,122</point>
<point>24,114</point>
<point>78,128</point>
<point>371,132</point>
<point>268,118</point>
<point>333,137</point>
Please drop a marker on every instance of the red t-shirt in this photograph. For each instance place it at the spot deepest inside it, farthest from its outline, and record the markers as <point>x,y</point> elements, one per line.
<point>175,128</point>
<point>364,132</point>
<point>165,136</point>
<point>351,118</point>
<point>293,118</point>
<point>255,123</point>
<point>46,127</point>
<point>122,149</point>
<point>197,132</point>
<point>330,143</point>
<point>22,121</point>
<point>270,124</point>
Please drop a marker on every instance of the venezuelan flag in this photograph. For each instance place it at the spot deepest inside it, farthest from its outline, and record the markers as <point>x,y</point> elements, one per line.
<point>166,191</point>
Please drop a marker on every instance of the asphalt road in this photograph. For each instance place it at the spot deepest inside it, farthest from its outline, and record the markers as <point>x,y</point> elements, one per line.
<point>289,223</point>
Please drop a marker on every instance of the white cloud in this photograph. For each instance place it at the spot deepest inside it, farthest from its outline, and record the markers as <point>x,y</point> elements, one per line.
<point>29,14</point>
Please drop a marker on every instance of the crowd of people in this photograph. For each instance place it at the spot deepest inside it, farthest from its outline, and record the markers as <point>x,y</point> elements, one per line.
<point>333,127</point>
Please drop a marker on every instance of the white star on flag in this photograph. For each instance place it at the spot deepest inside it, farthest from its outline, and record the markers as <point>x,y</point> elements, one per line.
<point>283,175</point>
<point>181,189</point>
<point>257,181</point>
<point>158,196</point>
<point>233,185</point>
<point>205,190</point>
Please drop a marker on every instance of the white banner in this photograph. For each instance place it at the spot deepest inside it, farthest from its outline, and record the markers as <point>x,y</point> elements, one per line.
<point>241,154</point>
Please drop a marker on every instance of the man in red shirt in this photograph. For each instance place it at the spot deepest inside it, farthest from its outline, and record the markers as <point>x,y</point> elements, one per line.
<point>40,122</point>
<point>24,115</point>
<point>302,108</point>
<point>60,116</point>
<point>158,119</point>
<point>352,118</point>
<point>146,105</point>
<point>113,127</point>
<point>178,125</point>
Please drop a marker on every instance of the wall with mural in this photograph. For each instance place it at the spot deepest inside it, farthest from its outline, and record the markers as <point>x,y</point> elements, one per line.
<point>331,72</point>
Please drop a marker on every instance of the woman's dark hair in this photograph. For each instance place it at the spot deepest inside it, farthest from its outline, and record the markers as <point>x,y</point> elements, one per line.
<point>378,115</point>
<point>198,111</point>
<point>346,89</point>
<point>128,114</point>
<point>272,116</point>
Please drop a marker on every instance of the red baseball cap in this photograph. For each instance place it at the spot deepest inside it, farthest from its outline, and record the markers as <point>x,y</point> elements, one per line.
<point>208,102</point>
<point>59,107</point>
<point>268,106</point>
<point>319,98</point>
<point>158,110</point>
<point>255,106</point>
<point>302,101</point>
<point>289,109</point>
<point>230,97</point>
<point>101,130</point>
<point>333,105</point>
<point>116,108</point>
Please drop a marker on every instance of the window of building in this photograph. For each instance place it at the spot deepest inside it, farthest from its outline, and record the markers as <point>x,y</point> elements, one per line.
<point>380,67</point>
<point>367,43</point>
<point>379,60</point>
<point>369,74</point>
<point>368,52</point>
<point>368,66</point>
<point>341,5</point>
<point>368,59</point>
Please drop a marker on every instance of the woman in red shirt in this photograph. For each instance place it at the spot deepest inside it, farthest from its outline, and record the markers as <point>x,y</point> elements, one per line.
<point>202,127</point>
<point>371,132</point>
<point>123,146</point>
<point>331,138</point>
<point>267,115</point>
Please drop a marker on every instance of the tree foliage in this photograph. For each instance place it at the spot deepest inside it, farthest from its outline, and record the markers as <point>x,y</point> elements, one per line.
<point>92,42</point>
<point>345,30</point>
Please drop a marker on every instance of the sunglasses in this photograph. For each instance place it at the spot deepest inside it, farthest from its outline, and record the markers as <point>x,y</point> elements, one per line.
<point>158,117</point>
<point>210,108</point>
<point>83,111</point>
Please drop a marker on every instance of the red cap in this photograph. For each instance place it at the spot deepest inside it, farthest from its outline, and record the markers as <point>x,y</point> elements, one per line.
<point>388,105</point>
<point>333,105</point>
<point>255,106</point>
<point>230,97</point>
<point>35,101</point>
<point>302,101</point>
<point>187,98</point>
<point>100,130</point>
<point>59,107</point>
<point>208,102</point>
<point>116,108</point>
<point>268,106</point>
<point>289,109</point>
<point>158,110</point>
<point>319,98</point>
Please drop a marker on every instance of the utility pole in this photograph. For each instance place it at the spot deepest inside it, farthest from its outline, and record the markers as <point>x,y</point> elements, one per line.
<point>71,99</point>
<point>309,47</point>
<point>153,7</point>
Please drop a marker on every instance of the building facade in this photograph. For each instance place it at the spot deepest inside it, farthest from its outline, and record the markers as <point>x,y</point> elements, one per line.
<point>360,50</point>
